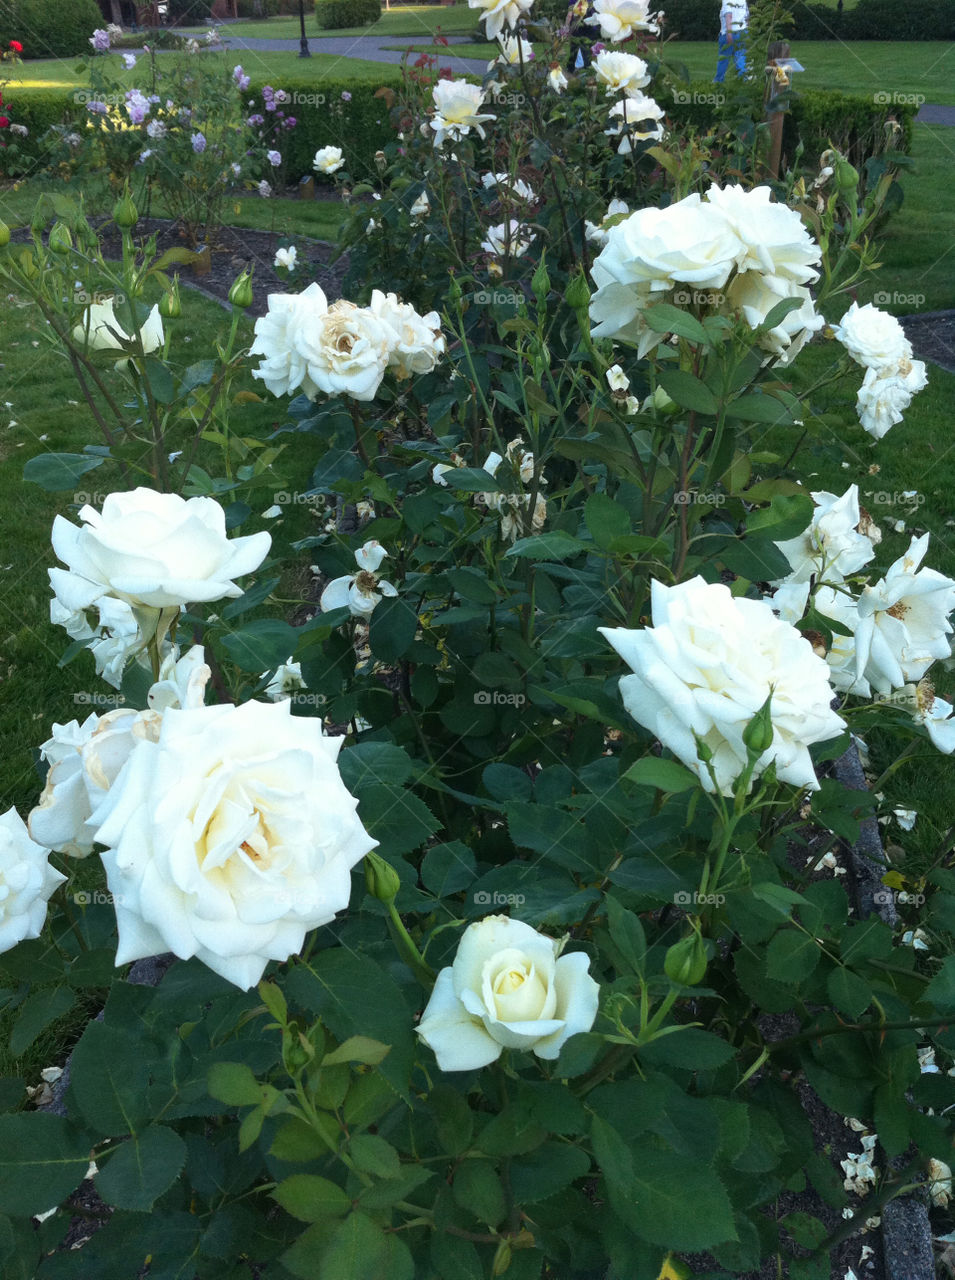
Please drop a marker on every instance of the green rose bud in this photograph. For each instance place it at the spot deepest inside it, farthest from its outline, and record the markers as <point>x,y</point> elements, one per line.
<point>758,734</point>
<point>125,213</point>
<point>60,239</point>
<point>240,295</point>
<point>578,293</point>
<point>170,304</point>
<point>847,177</point>
<point>540,284</point>
<point>381,879</point>
<point>685,962</point>
<point>4,234</point>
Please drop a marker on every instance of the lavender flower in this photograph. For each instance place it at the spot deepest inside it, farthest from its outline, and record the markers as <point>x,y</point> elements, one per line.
<point>97,108</point>
<point>100,41</point>
<point>264,190</point>
<point>241,79</point>
<point>274,158</point>
<point>156,129</point>
<point>346,96</point>
<point>137,106</point>
<point>198,143</point>
<point>129,61</point>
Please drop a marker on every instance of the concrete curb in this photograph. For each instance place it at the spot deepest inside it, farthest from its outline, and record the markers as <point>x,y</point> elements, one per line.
<point>906,1232</point>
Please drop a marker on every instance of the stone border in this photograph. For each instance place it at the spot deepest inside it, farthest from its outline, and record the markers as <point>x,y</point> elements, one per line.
<point>906,1232</point>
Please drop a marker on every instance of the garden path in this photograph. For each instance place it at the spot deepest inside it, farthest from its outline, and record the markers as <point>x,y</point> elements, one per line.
<point>369,48</point>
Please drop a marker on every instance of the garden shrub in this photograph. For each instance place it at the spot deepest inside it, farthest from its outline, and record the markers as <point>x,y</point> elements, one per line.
<point>50,28</point>
<point>866,20</point>
<point>333,14</point>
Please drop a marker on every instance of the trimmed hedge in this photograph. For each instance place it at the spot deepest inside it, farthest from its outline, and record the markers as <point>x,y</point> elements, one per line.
<point>334,14</point>
<point>865,20</point>
<point>258,8</point>
<point>359,124</point>
<point>50,28</point>
<point>39,110</point>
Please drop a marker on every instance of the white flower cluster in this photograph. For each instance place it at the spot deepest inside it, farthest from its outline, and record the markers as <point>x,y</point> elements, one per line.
<point>735,251</point>
<point>457,110</point>
<point>341,348</point>
<point>362,591</point>
<point>513,508</point>
<point>634,117</point>
<point>892,632</point>
<point>877,341</point>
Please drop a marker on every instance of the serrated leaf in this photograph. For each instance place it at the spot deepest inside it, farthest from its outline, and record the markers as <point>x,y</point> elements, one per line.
<point>448,868</point>
<point>688,391</point>
<point>142,1169</point>
<point>42,1160</point>
<point>310,1198</point>
<point>791,956</point>
<point>665,775</point>
<point>358,1049</point>
<point>848,992</point>
<point>37,1013</point>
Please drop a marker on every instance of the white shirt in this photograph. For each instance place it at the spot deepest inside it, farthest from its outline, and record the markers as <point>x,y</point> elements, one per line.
<point>738,11</point>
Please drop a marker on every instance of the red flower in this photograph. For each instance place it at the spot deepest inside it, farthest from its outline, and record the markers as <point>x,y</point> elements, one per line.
<point>16,46</point>
<point>4,122</point>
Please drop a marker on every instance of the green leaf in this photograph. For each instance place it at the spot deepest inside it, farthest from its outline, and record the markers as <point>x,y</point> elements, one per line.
<point>848,992</point>
<point>690,1048</point>
<point>653,1199</point>
<point>606,519</point>
<point>37,1013</point>
<point>454,1258</point>
<point>392,629</point>
<point>358,1250</point>
<point>160,380</point>
<point>261,645</point>
<point>142,1169</point>
<point>546,1171</point>
<point>374,1155</point>
<point>627,934</point>
<point>687,391</point>
<point>358,1049</point>
<point>578,1054</point>
<point>665,775</point>
<point>448,868</point>
<point>455,1119</point>
<point>234,1083</point>
<point>759,407</point>
<point>369,762</point>
<point>42,1160</point>
<point>664,318</point>
<point>477,1188</point>
<point>471,480</point>
<point>791,956</point>
<point>109,1079</point>
<point>941,990</point>
<point>557,545</point>
<point>310,1198</point>
<point>891,1118</point>
<point>57,472</point>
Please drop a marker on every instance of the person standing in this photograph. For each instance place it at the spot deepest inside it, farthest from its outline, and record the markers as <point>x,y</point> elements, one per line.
<point>734,20</point>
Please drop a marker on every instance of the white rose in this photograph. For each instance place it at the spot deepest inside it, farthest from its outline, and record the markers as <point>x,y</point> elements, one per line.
<point>421,207</point>
<point>509,237</point>
<point>507,989</point>
<point>286,257</point>
<point>755,295</point>
<point>328,159</point>
<point>774,239</point>
<point>345,349</point>
<point>620,72</point>
<point>705,668</point>
<point>101,331</point>
<point>230,838</point>
<point>362,591</point>
<point>514,186</point>
<point>514,51</point>
<point>415,341</point>
<point>841,658</point>
<point>872,337</point>
<point>887,392</point>
<point>151,549</point>
<point>617,380</point>
<point>556,79</point>
<point>457,110</point>
<point>933,713</point>
<point>26,882</point>
<point>497,12</point>
<point>903,621</point>
<point>631,116</point>
<point>284,368</point>
<point>619,19</point>
<point>831,547</point>
<point>286,680</point>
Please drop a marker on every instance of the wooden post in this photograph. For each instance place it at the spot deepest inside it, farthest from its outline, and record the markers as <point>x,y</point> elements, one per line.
<point>774,114</point>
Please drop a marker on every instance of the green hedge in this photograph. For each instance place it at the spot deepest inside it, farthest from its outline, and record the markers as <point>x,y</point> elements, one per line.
<point>359,125</point>
<point>50,28</point>
<point>335,14</point>
<point>38,109</point>
<point>865,20</point>
<point>257,8</point>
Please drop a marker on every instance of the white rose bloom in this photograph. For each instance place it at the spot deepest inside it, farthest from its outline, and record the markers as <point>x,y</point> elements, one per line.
<point>842,658</point>
<point>903,621</point>
<point>421,207</point>
<point>620,72</point>
<point>415,341</point>
<point>286,257</point>
<point>284,368</point>
<point>230,838</point>
<point>632,115</point>
<point>599,234</point>
<point>706,667</point>
<point>286,681</point>
<point>556,79</point>
<point>755,295</point>
<point>933,713</point>
<point>101,331</point>
<point>360,592</point>
<point>832,547</point>
<point>514,51</point>
<point>872,337</point>
<point>775,240</point>
<point>620,19</point>
<point>508,988</point>
<point>886,393</point>
<point>498,12</point>
<point>151,549</point>
<point>940,1183</point>
<point>26,882</point>
<point>789,601</point>
<point>508,237</point>
<point>328,159</point>
<point>115,639</point>
<point>345,349</point>
<point>617,380</point>
<point>457,110</point>
<point>85,760</point>
<point>514,186</point>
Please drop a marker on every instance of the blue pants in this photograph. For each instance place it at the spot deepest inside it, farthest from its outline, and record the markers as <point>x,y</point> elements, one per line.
<point>736,50</point>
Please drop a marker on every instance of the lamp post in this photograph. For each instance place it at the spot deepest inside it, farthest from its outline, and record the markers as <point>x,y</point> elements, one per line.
<point>304,51</point>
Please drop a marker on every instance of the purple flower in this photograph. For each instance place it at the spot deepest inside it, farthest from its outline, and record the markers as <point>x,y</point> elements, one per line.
<point>185,113</point>
<point>97,108</point>
<point>137,105</point>
<point>291,122</point>
<point>346,96</point>
<point>129,61</point>
<point>241,79</point>
<point>100,41</point>
<point>256,119</point>
<point>274,158</point>
<point>198,143</point>
<point>270,104</point>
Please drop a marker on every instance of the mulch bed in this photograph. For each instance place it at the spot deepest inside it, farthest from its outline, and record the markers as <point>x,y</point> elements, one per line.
<point>933,337</point>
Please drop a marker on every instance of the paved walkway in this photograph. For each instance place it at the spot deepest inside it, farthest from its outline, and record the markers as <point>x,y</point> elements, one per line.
<point>929,113</point>
<point>369,48</point>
